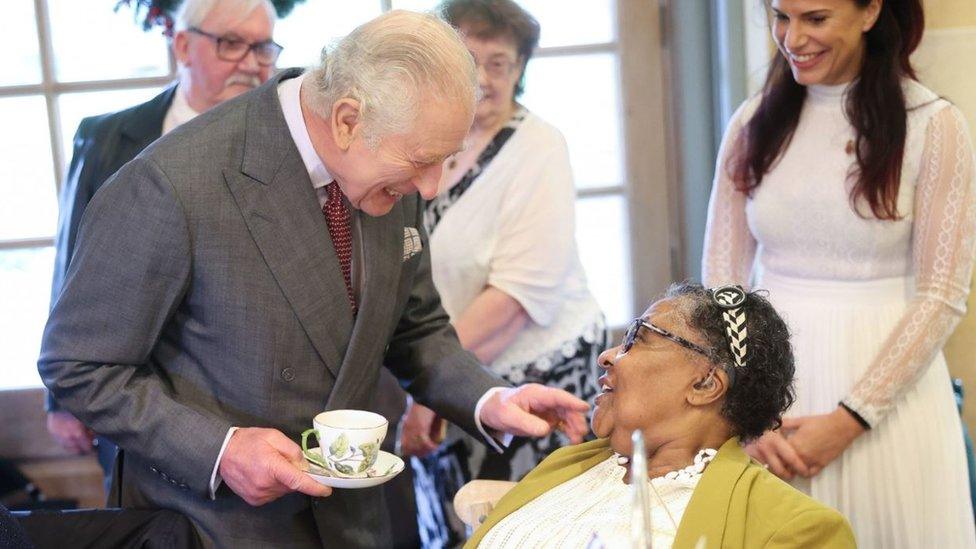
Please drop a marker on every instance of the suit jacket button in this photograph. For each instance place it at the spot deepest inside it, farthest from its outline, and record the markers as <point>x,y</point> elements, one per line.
<point>288,374</point>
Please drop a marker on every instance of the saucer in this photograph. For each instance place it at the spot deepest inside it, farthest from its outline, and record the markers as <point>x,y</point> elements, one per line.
<point>386,467</point>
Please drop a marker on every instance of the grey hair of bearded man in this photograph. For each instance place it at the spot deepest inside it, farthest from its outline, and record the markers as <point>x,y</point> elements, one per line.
<point>391,66</point>
<point>192,13</point>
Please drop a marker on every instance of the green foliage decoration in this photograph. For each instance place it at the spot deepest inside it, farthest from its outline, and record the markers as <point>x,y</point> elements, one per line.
<point>161,13</point>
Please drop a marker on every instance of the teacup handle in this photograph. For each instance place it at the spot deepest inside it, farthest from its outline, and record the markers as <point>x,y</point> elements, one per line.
<point>311,456</point>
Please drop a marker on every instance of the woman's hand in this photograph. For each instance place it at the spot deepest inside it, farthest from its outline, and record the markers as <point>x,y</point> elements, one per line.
<point>421,431</point>
<point>820,439</point>
<point>778,455</point>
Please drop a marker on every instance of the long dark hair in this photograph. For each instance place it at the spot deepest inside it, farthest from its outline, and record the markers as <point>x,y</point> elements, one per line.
<point>875,107</point>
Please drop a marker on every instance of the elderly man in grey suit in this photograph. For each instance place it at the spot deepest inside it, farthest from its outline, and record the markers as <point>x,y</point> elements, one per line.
<point>259,264</point>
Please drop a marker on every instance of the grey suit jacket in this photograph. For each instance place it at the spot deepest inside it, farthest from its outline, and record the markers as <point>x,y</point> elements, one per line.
<point>205,292</point>
<point>102,145</point>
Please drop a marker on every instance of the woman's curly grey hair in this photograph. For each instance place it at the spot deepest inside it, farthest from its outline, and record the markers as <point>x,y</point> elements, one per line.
<point>762,390</point>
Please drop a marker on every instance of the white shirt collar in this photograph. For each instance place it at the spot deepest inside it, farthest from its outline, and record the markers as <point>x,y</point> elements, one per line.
<point>179,112</point>
<point>290,98</point>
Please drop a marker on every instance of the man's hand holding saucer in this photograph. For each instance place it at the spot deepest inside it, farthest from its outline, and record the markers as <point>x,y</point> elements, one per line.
<point>261,465</point>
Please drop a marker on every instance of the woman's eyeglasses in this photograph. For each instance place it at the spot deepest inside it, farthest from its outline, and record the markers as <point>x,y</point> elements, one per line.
<point>498,67</point>
<point>234,49</point>
<point>638,323</point>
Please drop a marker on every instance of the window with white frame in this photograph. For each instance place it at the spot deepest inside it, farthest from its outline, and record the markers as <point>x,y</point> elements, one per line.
<point>69,64</point>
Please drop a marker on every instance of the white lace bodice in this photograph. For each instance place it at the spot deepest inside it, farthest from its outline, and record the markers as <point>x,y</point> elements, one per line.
<point>800,223</point>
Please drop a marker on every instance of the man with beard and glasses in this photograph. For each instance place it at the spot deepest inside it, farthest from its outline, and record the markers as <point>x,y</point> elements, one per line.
<point>224,48</point>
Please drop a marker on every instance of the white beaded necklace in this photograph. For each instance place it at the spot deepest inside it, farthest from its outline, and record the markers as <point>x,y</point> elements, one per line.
<point>702,459</point>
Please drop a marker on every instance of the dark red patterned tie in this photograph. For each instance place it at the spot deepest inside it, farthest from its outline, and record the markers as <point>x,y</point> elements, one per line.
<point>338,219</point>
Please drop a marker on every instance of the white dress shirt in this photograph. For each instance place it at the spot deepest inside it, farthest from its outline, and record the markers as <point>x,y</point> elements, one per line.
<point>179,111</point>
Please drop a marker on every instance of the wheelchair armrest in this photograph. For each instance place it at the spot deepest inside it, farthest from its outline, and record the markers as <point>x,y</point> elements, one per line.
<point>476,499</point>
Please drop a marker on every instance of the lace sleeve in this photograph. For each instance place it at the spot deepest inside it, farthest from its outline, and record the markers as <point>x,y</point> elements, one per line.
<point>729,247</point>
<point>944,245</point>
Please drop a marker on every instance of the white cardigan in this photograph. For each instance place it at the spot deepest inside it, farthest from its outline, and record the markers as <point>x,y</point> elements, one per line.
<point>514,229</point>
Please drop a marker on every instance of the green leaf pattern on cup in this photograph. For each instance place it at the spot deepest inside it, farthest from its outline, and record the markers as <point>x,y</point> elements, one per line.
<point>370,452</point>
<point>339,447</point>
<point>343,468</point>
<point>347,459</point>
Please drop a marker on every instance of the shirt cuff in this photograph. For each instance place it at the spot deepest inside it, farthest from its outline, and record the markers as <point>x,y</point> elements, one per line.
<point>215,479</point>
<point>499,443</point>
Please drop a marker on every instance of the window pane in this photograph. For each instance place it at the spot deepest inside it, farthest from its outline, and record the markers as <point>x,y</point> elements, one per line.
<point>25,290</point>
<point>92,42</point>
<point>588,115</point>
<point>573,22</point>
<point>602,230</point>
<point>75,106</point>
<point>564,23</point>
<point>19,27</point>
<point>315,24</point>
<point>415,5</point>
<point>29,207</point>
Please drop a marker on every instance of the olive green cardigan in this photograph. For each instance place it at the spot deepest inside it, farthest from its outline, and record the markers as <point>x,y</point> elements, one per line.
<point>737,503</point>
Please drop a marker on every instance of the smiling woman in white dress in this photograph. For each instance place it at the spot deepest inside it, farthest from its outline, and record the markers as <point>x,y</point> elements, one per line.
<point>847,189</point>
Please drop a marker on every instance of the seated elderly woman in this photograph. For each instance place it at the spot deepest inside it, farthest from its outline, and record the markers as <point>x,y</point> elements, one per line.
<point>699,373</point>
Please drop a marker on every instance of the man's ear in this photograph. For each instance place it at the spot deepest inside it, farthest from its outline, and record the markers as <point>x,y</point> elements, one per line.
<point>709,389</point>
<point>345,122</point>
<point>181,48</point>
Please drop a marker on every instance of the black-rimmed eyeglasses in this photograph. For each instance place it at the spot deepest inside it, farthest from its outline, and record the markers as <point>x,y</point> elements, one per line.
<point>638,323</point>
<point>235,49</point>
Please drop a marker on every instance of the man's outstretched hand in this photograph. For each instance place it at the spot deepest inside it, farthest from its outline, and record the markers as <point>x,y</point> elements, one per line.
<point>534,410</point>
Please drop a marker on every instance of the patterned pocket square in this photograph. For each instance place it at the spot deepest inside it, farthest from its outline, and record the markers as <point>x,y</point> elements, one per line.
<point>411,243</point>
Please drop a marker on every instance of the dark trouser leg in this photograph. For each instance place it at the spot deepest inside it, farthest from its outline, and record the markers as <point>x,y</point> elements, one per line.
<point>115,528</point>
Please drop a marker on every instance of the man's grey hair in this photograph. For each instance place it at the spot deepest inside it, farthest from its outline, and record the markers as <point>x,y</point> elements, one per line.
<point>193,12</point>
<point>391,65</point>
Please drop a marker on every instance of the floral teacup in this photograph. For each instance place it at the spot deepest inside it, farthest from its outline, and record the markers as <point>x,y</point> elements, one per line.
<point>349,441</point>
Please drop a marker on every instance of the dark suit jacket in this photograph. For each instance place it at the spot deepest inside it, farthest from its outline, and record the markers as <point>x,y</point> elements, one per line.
<point>102,145</point>
<point>205,293</point>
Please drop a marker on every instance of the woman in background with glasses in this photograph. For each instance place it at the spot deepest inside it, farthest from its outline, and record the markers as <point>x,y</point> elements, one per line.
<point>853,186</point>
<point>505,262</point>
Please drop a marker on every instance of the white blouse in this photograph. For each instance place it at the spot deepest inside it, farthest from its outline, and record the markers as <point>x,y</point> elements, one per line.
<point>514,229</point>
<point>594,510</point>
<point>800,223</point>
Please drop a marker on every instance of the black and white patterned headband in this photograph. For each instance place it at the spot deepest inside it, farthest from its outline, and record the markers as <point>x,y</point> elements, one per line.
<point>730,300</point>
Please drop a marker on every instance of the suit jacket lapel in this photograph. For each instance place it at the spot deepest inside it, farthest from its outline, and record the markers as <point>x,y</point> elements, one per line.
<point>382,243</point>
<point>275,196</point>
<point>711,502</point>
<point>146,123</point>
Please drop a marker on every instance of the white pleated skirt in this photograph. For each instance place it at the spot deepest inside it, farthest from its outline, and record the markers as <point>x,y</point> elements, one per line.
<point>905,482</point>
